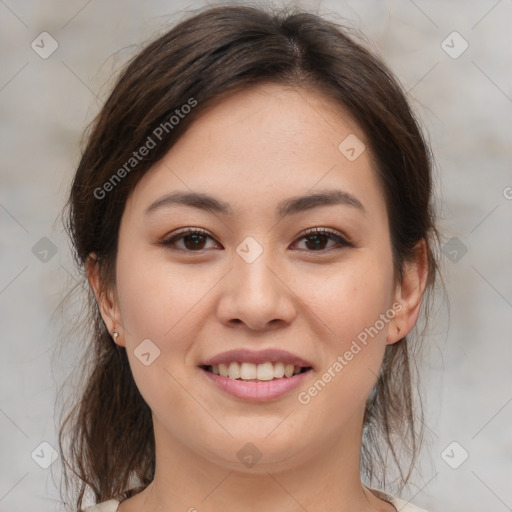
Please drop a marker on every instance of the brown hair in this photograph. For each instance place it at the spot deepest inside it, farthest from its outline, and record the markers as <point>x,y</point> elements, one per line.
<point>203,59</point>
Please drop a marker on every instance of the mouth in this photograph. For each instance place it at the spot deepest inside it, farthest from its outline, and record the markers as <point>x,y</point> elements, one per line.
<point>256,376</point>
<point>251,372</point>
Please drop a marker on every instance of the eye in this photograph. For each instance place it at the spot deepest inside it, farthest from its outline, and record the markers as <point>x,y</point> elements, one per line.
<point>193,240</point>
<point>316,239</point>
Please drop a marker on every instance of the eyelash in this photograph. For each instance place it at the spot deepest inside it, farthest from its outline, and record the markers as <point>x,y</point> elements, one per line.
<point>331,234</point>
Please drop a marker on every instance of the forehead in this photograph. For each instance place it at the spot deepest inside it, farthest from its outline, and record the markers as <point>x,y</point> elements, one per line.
<point>264,144</point>
<point>281,117</point>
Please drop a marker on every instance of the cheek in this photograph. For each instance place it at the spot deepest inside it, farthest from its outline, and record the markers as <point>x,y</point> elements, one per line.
<point>157,298</point>
<point>350,299</point>
<point>164,303</point>
<point>350,305</point>
<point>156,303</point>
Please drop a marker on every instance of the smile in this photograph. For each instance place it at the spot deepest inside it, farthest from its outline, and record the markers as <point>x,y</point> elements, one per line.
<point>256,372</point>
<point>256,382</point>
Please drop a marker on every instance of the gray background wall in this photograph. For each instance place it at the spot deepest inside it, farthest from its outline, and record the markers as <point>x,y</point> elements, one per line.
<point>465,102</point>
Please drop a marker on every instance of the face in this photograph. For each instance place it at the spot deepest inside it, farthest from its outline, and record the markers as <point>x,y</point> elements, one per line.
<point>307,283</point>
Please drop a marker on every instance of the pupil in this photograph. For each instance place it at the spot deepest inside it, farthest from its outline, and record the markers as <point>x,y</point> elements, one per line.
<point>316,237</point>
<point>196,239</point>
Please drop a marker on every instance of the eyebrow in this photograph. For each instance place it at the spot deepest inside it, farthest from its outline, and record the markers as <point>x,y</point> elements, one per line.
<point>291,206</point>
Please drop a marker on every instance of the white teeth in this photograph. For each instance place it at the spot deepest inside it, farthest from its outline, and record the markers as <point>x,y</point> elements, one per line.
<point>234,370</point>
<point>265,371</point>
<point>288,370</point>
<point>278,370</point>
<point>223,370</point>
<point>250,371</point>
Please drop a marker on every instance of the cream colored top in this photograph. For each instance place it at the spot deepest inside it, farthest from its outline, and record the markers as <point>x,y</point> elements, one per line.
<point>400,504</point>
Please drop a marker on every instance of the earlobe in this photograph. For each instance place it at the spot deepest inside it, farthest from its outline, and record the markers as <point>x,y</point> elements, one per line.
<point>409,294</point>
<point>104,298</point>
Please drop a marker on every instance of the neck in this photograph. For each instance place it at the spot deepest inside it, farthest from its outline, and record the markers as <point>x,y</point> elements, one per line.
<point>329,480</point>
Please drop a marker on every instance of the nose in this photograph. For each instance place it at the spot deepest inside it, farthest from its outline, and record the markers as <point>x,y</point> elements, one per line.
<point>256,294</point>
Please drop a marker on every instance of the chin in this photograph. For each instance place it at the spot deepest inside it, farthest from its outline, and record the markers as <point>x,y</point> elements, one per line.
<point>257,454</point>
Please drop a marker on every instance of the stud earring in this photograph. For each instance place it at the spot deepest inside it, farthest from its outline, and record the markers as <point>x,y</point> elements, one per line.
<point>115,334</point>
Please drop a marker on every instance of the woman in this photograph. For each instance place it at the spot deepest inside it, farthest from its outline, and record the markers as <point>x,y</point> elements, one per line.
<point>253,214</point>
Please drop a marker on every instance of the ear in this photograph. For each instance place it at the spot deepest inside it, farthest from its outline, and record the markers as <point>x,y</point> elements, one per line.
<point>105,298</point>
<point>408,294</point>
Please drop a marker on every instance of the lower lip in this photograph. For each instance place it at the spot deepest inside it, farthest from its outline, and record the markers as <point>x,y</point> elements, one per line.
<point>260,391</point>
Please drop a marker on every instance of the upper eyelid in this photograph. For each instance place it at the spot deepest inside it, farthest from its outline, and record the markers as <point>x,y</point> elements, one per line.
<point>303,234</point>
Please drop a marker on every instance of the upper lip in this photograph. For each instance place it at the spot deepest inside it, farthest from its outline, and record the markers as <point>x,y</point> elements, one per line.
<point>257,357</point>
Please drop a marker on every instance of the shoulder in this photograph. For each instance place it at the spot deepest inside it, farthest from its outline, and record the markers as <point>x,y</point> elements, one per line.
<point>404,506</point>
<point>400,504</point>
<point>105,506</point>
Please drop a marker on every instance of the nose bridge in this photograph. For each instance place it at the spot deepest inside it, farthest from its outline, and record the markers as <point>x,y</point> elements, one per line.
<point>252,274</point>
<point>255,294</point>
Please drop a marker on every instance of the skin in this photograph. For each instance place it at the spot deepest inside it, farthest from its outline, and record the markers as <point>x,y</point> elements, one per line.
<point>253,150</point>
